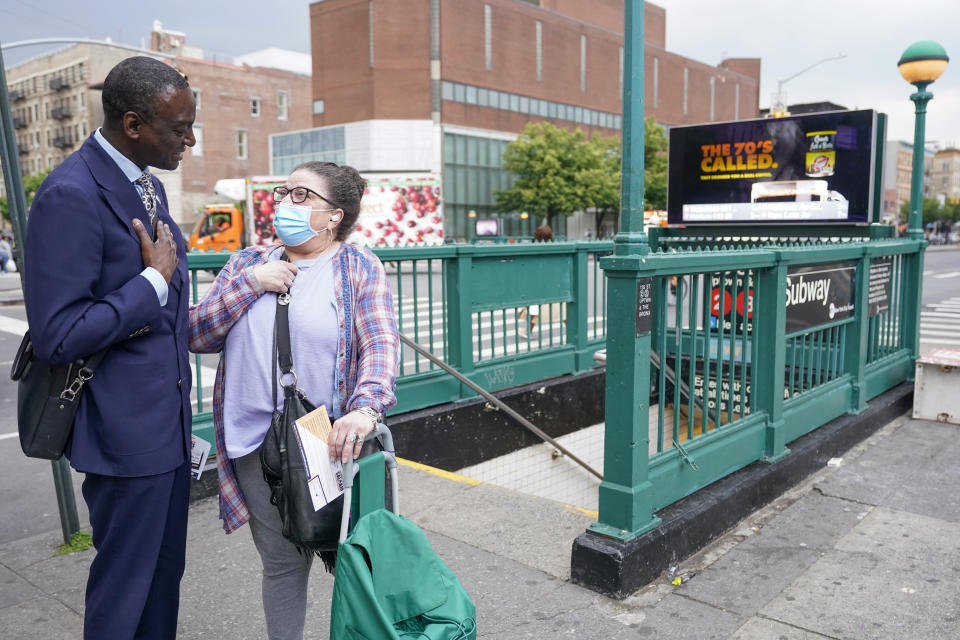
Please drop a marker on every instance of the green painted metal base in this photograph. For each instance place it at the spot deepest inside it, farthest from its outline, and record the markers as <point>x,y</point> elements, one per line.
<point>777,458</point>
<point>622,534</point>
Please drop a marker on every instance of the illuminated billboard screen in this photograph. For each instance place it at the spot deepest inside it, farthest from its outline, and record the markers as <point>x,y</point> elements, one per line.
<point>808,168</point>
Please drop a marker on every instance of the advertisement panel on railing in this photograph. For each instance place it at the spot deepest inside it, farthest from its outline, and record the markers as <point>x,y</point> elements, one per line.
<point>809,168</point>
<point>400,209</point>
<point>395,209</point>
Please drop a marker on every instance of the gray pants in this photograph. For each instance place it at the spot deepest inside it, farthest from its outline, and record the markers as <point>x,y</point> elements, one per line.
<point>285,570</point>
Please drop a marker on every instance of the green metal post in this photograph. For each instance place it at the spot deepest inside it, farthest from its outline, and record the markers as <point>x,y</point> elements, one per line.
<point>855,358</point>
<point>770,319</point>
<point>459,314</point>
<point>576,313</point>
<point>920,100</point>
<point>13,178</point>
<point>914,264</point>
<point>631,240</point>
<point>625,502</point>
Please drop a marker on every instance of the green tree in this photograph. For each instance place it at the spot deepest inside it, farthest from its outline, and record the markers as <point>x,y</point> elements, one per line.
<point>560,172</point>
<point>932,211</point>
<point>654,165</point>
<point>548,162</point>
<point>30,185</point>
<point>600,177</point>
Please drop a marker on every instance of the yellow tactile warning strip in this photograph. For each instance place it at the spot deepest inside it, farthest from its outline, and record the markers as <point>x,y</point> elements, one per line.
<point>456,477</point>
<point>594,515</point>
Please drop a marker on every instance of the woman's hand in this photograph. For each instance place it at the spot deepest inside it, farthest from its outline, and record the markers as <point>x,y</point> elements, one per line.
<point>276,276</point>
<point>347,435</point>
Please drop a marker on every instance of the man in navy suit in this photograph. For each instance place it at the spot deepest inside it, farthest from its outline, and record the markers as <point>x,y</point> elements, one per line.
<point>105,268</point>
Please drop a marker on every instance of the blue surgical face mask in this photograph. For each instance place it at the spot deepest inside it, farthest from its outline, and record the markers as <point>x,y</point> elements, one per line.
<point>292,224</point>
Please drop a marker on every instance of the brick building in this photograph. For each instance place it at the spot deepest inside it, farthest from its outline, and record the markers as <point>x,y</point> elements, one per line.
<point>444,85</point>
<point>945,175</point>
<point>897,176</point>
<point>238,108</point>
<point>56,104</point>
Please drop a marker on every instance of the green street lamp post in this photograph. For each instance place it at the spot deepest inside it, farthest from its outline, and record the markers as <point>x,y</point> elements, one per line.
<point>920,65</point>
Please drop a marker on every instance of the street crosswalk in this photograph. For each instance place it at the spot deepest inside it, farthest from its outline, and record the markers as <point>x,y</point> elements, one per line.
<point>940,323</point>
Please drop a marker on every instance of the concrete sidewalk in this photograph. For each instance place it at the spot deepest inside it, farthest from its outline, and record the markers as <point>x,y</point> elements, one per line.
<point>865,548</point>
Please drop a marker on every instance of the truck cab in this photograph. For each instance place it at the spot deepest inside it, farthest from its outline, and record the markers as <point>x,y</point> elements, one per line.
<point>220,229</point>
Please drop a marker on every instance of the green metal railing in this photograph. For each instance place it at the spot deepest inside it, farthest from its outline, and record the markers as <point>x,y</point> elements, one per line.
<point>470,306</point>
<point>729,385</point>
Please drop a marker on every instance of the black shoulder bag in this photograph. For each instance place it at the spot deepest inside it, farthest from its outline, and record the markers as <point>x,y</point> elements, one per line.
<point>47,399</point>
<point>283,466</point>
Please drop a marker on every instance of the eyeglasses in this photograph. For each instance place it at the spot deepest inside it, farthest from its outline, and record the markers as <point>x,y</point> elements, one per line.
<point>298,195</point>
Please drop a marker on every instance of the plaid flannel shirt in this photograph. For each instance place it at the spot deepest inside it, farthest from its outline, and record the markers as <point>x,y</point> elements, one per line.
<point>367,354</point>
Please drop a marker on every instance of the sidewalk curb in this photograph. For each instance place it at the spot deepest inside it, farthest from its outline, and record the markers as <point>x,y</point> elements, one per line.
<point>616,568</point>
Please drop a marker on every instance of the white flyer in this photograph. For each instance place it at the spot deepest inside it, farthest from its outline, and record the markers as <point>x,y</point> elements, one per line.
<point>324,477</point>
<point>199,450</point>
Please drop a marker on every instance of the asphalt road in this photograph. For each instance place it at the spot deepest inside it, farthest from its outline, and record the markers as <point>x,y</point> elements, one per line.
<point>28,503</point>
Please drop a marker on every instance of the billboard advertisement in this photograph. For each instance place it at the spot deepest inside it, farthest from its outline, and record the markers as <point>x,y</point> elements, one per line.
<point>808,168</point>
<point>395,209</point>
<point>400,209</point>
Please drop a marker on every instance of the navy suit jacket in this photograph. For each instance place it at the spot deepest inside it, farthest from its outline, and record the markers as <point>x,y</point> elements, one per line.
<point>83,293</point>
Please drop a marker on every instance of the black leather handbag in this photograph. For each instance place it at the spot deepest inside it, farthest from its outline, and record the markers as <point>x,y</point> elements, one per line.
<point>283,466</point>
<point>47,399</point>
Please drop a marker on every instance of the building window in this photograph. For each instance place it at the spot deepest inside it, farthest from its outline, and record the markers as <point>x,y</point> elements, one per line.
<point>196,97</point>
<point>656,81</point>
<point>471,95</point>
<point>583,63</point>
<point>283,99</point>
<point>46,110</point>
<point>197,149</point>
<point>487,37</point>
<point>736,102</point>
<point>48,138</point>
<point>241,144</point>
<point>539,51</point>
<point>686,83</point>
<point>255,107</point>
<point>83,127</point>
<point>287,150</point>
<point>483,97</point>
<point>83,99</point>
<point>318,107</point>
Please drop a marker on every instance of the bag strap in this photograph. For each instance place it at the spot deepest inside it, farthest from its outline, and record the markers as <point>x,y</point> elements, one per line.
<point>282,353</point>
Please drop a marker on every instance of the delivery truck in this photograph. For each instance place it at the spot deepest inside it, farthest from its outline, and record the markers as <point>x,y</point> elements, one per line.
<point>396,209</point>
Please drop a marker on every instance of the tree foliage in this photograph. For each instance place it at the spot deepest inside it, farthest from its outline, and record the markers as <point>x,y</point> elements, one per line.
<point>548,162</point>
<point>560,172</point>
<point>654,165</point>
<point>30,185</point>
<point>933,211</point>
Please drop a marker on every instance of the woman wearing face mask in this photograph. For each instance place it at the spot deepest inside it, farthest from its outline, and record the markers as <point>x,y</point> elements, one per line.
<point>344,344</point>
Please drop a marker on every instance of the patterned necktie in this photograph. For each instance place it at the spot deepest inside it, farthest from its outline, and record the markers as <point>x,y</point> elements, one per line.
<point>149,198</point>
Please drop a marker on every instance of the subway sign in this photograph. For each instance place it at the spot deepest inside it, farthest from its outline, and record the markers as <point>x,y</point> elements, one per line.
<point>808,168</point>
<point>819,294</point>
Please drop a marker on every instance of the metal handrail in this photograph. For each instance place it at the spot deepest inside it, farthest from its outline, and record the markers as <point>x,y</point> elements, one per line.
<point>499,403</point>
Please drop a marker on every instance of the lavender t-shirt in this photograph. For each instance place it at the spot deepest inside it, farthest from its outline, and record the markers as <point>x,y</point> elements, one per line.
<point>248,392</point>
